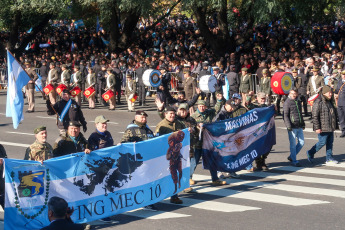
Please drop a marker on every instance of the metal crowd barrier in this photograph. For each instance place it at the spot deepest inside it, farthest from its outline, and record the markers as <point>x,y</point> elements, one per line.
<point>4,76</point>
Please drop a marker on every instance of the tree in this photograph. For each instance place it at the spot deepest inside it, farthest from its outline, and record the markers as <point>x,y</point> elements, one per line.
<point>121,17</point>
<point>19,15</point>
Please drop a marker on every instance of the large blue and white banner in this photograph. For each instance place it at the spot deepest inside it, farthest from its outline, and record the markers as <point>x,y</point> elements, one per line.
<point>232,144</point>
<point>103,183</point>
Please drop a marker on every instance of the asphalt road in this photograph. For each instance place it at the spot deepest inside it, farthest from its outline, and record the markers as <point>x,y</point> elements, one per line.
<point>286,197</point>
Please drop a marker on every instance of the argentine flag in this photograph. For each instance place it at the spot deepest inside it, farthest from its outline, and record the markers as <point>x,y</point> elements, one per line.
<point>17,79</point>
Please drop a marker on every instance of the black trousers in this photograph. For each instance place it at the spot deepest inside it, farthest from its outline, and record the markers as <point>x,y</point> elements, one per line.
<point>142,94</point>
<point>304,101</point>
<point>341,116</point>
<point>118,92</point>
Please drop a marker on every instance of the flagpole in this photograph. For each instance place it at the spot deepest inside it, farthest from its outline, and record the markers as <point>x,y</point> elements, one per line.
<point>43,94</point>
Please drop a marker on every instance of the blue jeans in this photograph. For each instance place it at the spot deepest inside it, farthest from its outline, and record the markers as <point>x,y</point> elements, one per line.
<point>327,139</point>
<point>295,148</point>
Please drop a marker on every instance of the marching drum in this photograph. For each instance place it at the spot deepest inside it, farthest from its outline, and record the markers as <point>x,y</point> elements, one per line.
<point>108,95</point>
<point>282,83</point>
<point>151,78</point>
<point>208,84</point>
<point>133,97</point>
<point>312,99</point>
<point>48,89</point>
<point>60,88</point>
<point>89,92</point>
<point>75,91</point>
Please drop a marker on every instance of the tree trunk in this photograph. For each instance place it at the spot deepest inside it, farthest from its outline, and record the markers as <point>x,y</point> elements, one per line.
<point>14,33</point>
<point>114,31</point>
<point>221,43</point>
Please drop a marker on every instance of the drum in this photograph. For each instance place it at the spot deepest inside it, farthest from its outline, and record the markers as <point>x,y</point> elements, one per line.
<point>108,95</point>
<point>48,89</point>
<point>282,83</point>
<point>151,78</point>
<point>312,99</point>
<point>208,83</point>
<point>75,91</point>
<point>60,88</point>
<point>133,97</point>
<point>89,92</point>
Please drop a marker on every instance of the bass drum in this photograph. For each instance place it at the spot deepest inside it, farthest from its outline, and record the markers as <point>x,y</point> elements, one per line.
<point>208,84</point>
<point>151,78</point>
<point>282,83</point>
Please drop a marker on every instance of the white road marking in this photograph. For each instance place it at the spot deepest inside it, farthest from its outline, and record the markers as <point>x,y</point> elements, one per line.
<point>46,117</point>
<point>307,130</point>
<point>121,132</point>
<point>255,196</point>
<point>14,144</point>
<point>307,179</point>
<point>31,134</point>
<point>3,114</point>
<point>290,188</point>
<point>214,205</point>
<point>154,215</point>
<point>340,165</point>
<point>311,170</point>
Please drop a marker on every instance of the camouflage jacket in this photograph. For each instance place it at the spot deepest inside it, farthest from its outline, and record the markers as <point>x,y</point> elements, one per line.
<point>190,122</point>
<point>205,117</point>
<point>165,127</point>
<point>38,152</point>
<point>137,132</point>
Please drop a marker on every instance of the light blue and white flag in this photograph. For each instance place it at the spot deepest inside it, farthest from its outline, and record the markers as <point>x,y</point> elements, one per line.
<point>231,145</point>
<point>78,24</point>
<point>105,41</point>
<point>104,183</point>
<point>17,79</point>
<point>38,86</point>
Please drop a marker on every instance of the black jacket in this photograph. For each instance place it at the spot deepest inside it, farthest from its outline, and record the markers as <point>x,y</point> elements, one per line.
<point>99,140</point>
<point>74,113</point>
<point>64,145</point>
<point>292,114</point>
<point>63,225</point>
<point>324,115</point>
<point>341,93</point>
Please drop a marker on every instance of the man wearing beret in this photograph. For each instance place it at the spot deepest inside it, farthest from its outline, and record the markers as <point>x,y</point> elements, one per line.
<point>169,125</point>
<point>30,87</point>
<point>137,131</point>
<point>67,110</point>
<point>72,142</point>
<point>230,110</point>
<point>40,150</point>
<point>325,122</point>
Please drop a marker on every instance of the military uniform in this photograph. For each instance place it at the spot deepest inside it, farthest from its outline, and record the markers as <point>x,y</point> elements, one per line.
<point>53,78</point>
<point>301,85</point>
<point>30,88</point>
<point>91,81</point>
<point>77,81</point>
<point>64,145</point>
<point>246,84</point>
<point>110,83</point>
<point>265,87</point>
<point>189,85</point>
<point>319,82</point>
<point>224,115</point>
<point>137,132</point>
<point>130,92</point>
<point>39,152</point>
<point>65,78</point>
